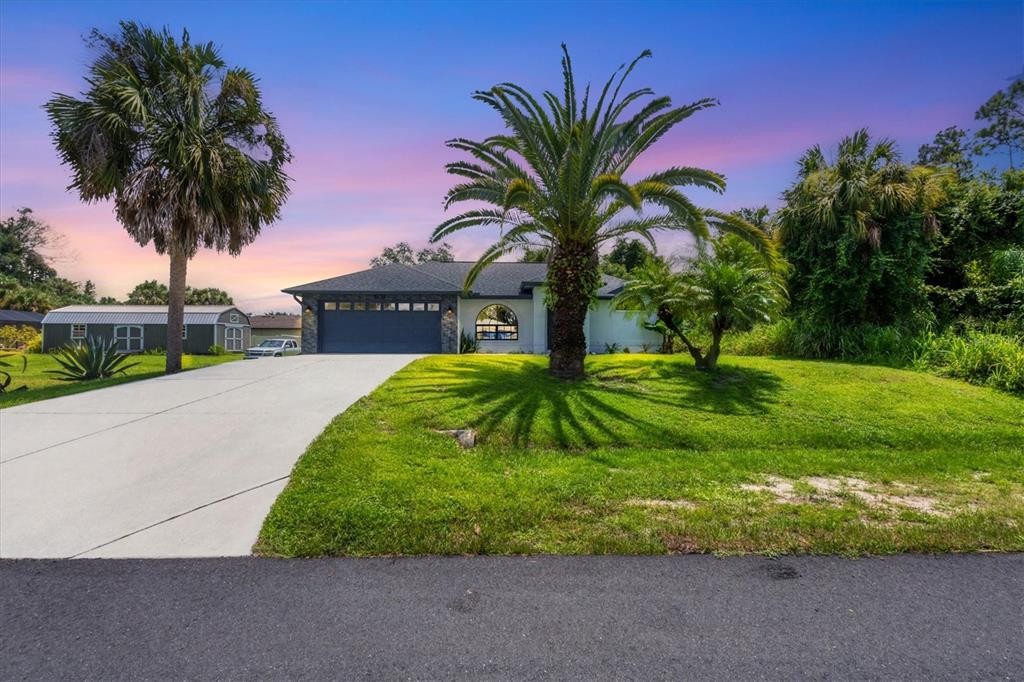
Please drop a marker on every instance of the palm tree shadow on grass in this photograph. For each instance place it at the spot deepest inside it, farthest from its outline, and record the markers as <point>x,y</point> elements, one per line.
<point>512,402</point>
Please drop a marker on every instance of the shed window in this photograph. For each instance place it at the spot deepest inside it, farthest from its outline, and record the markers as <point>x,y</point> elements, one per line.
<point>234,317</point>
<point>184,332</point>
<point>497,323</point>
<point>129,338</point>
<point>77,331</point>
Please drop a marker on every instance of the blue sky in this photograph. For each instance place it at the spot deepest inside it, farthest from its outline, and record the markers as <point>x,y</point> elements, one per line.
<point>367,94</point>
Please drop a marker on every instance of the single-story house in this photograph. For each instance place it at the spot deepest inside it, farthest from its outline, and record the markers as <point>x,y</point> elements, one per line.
<point>19,318</point>
<point>144,327</point>
<point>422,309</point>
<point>275,327</point>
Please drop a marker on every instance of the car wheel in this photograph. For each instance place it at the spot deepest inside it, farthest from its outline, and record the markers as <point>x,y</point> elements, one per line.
<point>277,355</point>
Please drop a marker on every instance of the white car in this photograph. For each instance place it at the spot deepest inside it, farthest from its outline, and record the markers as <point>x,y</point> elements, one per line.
<point>273,348</point>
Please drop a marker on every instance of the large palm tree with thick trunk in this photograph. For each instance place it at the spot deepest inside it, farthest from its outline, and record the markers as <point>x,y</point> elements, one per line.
<point>181,143</point>
<point>557,179</point>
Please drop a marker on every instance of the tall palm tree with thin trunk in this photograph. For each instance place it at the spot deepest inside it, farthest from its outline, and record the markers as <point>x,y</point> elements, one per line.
<point>181,143</point>
<point>557,179</point>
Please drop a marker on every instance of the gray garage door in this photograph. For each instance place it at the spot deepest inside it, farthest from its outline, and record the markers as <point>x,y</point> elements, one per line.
<point>380,331</point>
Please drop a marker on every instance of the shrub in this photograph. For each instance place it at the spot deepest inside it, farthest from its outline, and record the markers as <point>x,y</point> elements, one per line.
<point>5,377</point>
<point>468,344</point>
<point>978,357</point>
<point>611,348</point>
<point>216,349</point>
<point>21,337</point>
<point>154,351</point>
<point>93,359</point>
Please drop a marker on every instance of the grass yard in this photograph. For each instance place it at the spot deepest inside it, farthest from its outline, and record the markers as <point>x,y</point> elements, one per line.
<point>42,385</point>
<point>649,456</point>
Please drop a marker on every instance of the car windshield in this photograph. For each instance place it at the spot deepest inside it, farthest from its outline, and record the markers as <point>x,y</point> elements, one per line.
<point>271,344</point>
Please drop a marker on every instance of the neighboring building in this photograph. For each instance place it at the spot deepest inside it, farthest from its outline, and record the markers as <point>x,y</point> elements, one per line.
<point>144,327</point>
<point>275,327</point>
<point>18,318</point>
<point>422,309</point>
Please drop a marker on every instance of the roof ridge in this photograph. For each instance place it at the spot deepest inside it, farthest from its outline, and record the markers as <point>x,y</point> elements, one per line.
<point>431,275</point>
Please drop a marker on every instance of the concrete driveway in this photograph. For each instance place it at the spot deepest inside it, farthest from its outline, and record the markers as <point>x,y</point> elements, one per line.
<point>179,466</point>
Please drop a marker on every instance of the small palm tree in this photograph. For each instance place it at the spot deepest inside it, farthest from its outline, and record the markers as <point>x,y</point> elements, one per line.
<point>728,285</point>
<point>557,179</point>
<point>180,142</point>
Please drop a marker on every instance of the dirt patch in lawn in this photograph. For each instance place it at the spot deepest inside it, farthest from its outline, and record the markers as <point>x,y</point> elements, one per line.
<point>835,489</point>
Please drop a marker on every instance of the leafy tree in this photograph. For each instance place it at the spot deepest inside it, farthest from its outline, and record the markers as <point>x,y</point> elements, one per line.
<point>555,179</point>
<point>857,232</point>
<point>625,257</point>
<point>948,148</point>
<point>402,253</point>
<point>150,292</point>
<point>181,143</point>
<point>21,239</point>
<point>980,218</point>
<point>1004,115</point>
<point>108,300</point>
<point>208,296</point>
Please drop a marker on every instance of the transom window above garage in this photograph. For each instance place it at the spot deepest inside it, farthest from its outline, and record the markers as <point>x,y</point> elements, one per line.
<point>497,322</point>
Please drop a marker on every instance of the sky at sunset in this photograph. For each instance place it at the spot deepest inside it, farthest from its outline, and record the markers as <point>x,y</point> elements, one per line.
<point>366,95</point>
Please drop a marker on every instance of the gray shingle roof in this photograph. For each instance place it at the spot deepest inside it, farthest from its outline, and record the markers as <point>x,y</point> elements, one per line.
<point>500,279</point>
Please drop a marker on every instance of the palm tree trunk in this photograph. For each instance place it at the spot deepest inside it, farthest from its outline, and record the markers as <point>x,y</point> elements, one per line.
<point>572,277</point>
<point>175,308</point>
<point>711,359</point>
<point>665,316</point>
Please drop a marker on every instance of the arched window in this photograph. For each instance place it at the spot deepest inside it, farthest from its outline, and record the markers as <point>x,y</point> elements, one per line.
<point>497,322</point>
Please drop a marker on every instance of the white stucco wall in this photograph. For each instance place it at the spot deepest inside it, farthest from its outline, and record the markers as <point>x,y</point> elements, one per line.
<point>469,308</point>
<point>603,326</point>
<point>609,326</point>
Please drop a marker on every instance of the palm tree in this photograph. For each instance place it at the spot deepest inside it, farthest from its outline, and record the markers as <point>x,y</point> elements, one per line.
<point>858,192</point>
<point>556,179</point>
<point>730,286</point>
<point>727,286</point>
<point>182,144</point>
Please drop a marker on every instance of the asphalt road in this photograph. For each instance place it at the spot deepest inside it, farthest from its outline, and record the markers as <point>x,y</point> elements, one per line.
<point>688,617</point>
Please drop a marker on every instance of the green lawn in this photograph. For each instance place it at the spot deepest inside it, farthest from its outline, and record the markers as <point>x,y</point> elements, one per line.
<point>650,456</point>
<point>42,385</point>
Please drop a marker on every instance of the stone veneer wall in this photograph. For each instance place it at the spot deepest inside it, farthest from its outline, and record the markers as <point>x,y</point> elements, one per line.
<point>310,310</point>
<point>450,326</point>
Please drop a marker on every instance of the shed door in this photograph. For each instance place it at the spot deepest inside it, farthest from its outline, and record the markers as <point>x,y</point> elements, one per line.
<point>376,329</point>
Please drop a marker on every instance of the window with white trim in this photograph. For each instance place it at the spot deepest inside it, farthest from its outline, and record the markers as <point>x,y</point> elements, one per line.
<point>77,332</point>
<point>233,338</point>
<point>234,317</point>
<point>129,338</point>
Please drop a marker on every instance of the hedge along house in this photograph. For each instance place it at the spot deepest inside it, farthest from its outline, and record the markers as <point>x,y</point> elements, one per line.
<point>422,309</point>
<point>136,328</point>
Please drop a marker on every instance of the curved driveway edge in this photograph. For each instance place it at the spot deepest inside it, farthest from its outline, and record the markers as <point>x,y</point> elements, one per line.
<point>179,466</point>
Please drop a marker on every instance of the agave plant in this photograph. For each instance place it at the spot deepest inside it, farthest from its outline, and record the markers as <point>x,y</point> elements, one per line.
<point>5,377</point>
<point>94,359</point>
